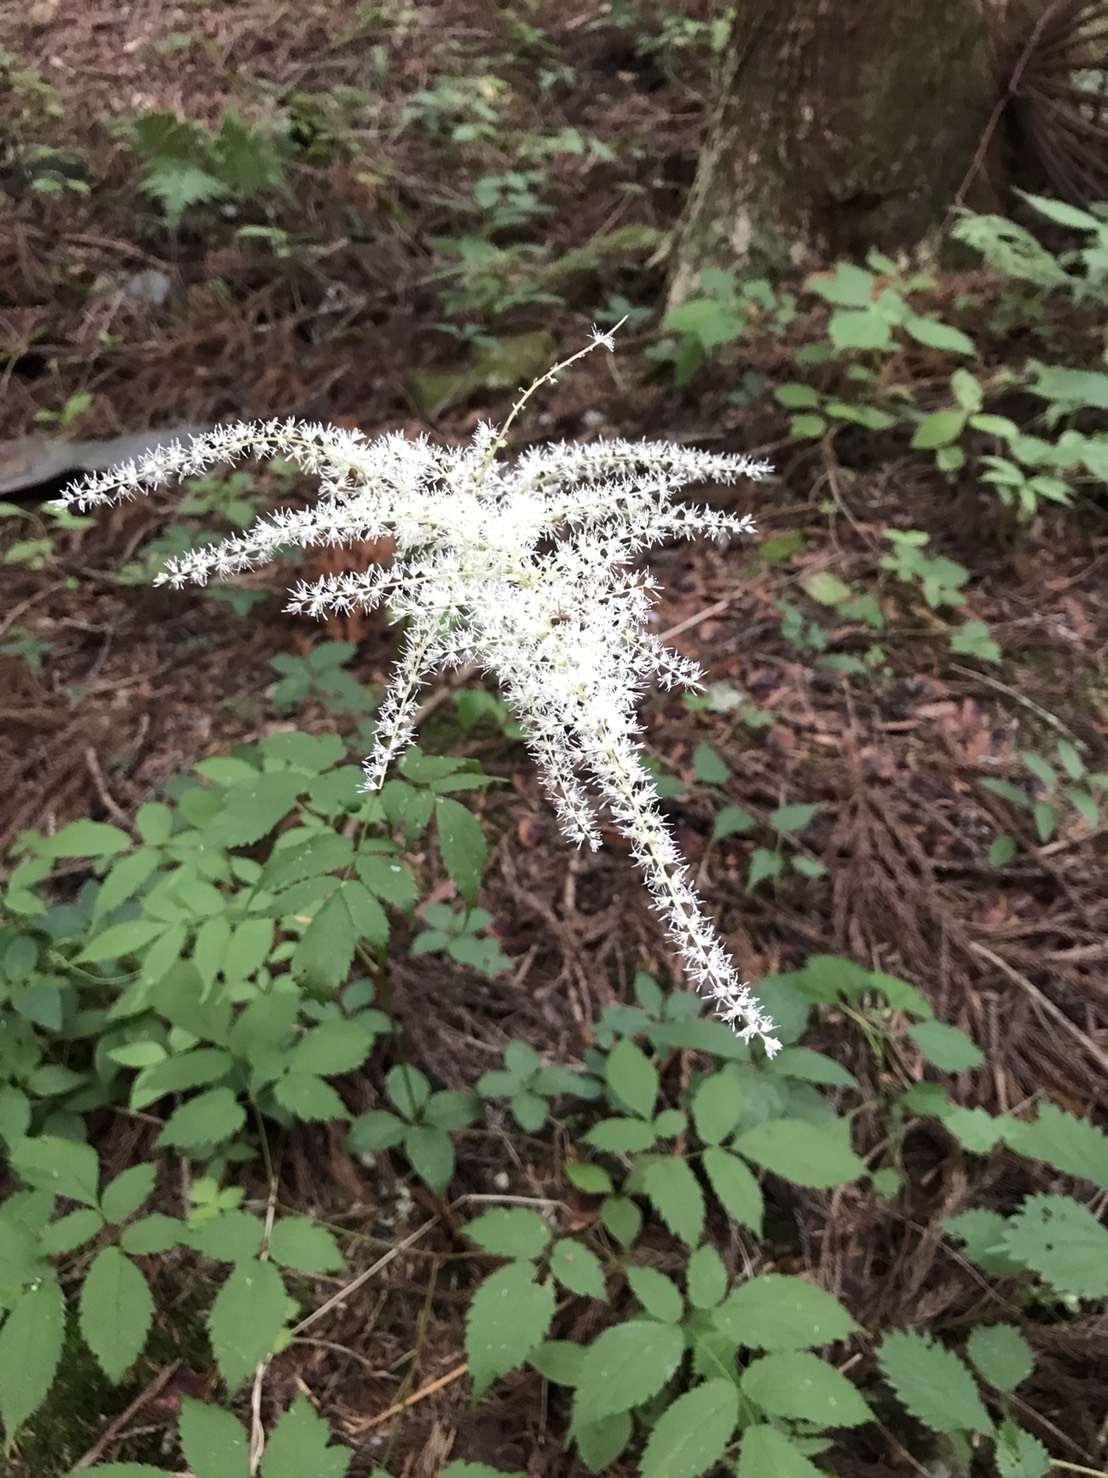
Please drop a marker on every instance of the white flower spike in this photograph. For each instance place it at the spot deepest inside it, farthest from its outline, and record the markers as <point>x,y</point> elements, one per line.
<point>527,568</point>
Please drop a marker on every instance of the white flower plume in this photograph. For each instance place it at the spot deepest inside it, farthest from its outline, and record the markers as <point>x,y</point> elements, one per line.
<point>526,567</point>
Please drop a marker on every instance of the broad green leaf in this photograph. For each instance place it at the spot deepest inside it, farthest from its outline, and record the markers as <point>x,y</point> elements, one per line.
<point>659,1295</point>
<point>86,838</point>
<point>125,1194</point>
<point>154,1233</point>
<point>859,329</point>
<point>813,1067</point>
<point>203,1122</point>
<point>935,335</point>
<point>558,1361</point>
<point>578,1268</point>
<point>708,768</point>
<point>717,1106</point>
<point>824,588</point>
<point>30,1349</point>
<point>775,1311</point>
<point>633,1078</point>
<point>1020,1455</point>
<point>408,1090</point>
<point>462,846</point>
<point>1074,1146</point>
<point>932,1383</point>
<point>246,1321</point>
<point>625,1366</point>
<point>849,286</point>
<point>1000,1354</point>
<point>324,953</point>
<point>767,1453</point>
<point>233,1235</point>
<point>1063,1242</point>
<point>304,1246</point>
<point>731,821</point>
<point>431,1152</point>
<point>215,1443</point>
<point>675,1192</point>
<point>375,1130</point>
<point>510,1231</point>
<point>250,809</point>
<point>71,1232</point>
<point>61,1166</point>
<point>20,1257</point>
<point>309,1098</point>
<point>621,1136</point>
<point>982,1235</point>
<point>621,1216</point>
<point>250,945</point>
<point>508,1319</point>
<point>298,1447</point>
<point>945,1047</point>
<point>315,855</point>
<point>116,1311</point>
<point>330,1049</point>
<point>691,1436</point>
<point>817,1156</point>
<point>801,1386</point>
<point>601,1442</point>
<point>118,940</point>
<point>705,1278</point>
<point>738,1192</point>
<point>793,818</point>
<point>177,1074</point>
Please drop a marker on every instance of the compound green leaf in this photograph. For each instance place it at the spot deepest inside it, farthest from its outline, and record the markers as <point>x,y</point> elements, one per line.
<point>717,1106</point>
<point>215,1443</point>
<point>251,808</point>
<point>298,1447</point>
<point>125,1194</point>
<point>578,1268</point>
<point>659,1295</point>
<point>1000,1354</point>
<point>767,1453</point>
<point>818,1156</point>
<point>60,1166</point>
<point>301,1244</point>
<point>30,1349</point>
<point>246,1320</point>
<point>1063,1242</point>
<point>805,1388</point>
<point>462,846</point>
<point>932,1383</point>
<point>309,1098</point>
<point>1074,1146</point>
<point>624,1367</point>
<point>705,1278</point>
<point>677,1197</point>
<point>507,1320</point>
<point>510,1231</point>
<point>330,1049</point>
<point>203,1122</point>
<point>633,1078</point>
<point>116,1311</point>
<point>738,1192</point>
<point>692,1435</point>
<point>775,1311</point>
<point>1020,1455</point>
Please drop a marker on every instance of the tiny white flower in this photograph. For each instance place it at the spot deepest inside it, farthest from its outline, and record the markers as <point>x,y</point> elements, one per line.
<point>525,568</point>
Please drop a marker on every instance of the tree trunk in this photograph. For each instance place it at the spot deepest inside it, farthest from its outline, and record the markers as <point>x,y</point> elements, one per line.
<point>841,125</point>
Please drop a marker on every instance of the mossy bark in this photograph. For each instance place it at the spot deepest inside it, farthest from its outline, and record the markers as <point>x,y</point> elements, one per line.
<point>840,125</point>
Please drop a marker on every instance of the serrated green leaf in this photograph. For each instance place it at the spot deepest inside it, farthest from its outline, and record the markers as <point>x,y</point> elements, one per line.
<point>1074,1146</point>
<point>1063,1242</point>
<point>859,329</point>
<point>30,1349</point>
<point>817,1156</point>
<point>232,1236</point>
<point>250,809</point>
<point>624,1367</point>
<point>203,1122</point>
<point>462,846</point>
<point>982,1234</point>
<point>298,1243</point>
<point>717,1106</point>
<point>510,1231</point>
<point>431,1152</point>
<point>177,1074</point>
<point>708,768</point>
<point>705,1278</point>
<point>736,1188</point>
<point>118,940</point>
<point>692,1434</point>
<point>309,1098</point>
<point>775,1311</point>
<point>332,1048</point>
<point>620,1216</point>
<point>659,1295</point>
<point>676,1195</point>
<point>69,1233</point>
<point>600,1443</point>
<point>61,1166</point>
<point>246,1320</point>
<point>116,1311</point>
<point>86,838</point>
<point>375,1130</point>
<point>633,1078</point>
<point>945,1047</point>
<point>1020,1455</point>
<point>621,1136</point>
<point>154,1233</point>
<point>125,1194</point>
<point>507,1320</point>
<point>825,588</point>
<point>805,1388</point>
<point>1000,1354</point>
<point>215,1443</point>
<point>768,1453</point>
<point>793,818</point>
<point>298,1447</point>
<point>578,1268</point>
<point>935,335</point>
<point>932,1383</point>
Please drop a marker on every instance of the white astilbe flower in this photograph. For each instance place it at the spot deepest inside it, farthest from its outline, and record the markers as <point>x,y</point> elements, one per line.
<point>526,568</point>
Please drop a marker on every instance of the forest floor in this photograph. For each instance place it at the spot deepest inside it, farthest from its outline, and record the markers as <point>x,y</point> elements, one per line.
<point>114,324</point>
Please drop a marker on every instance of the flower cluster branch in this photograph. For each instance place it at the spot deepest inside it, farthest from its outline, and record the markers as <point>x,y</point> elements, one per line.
<point>529,567</point>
